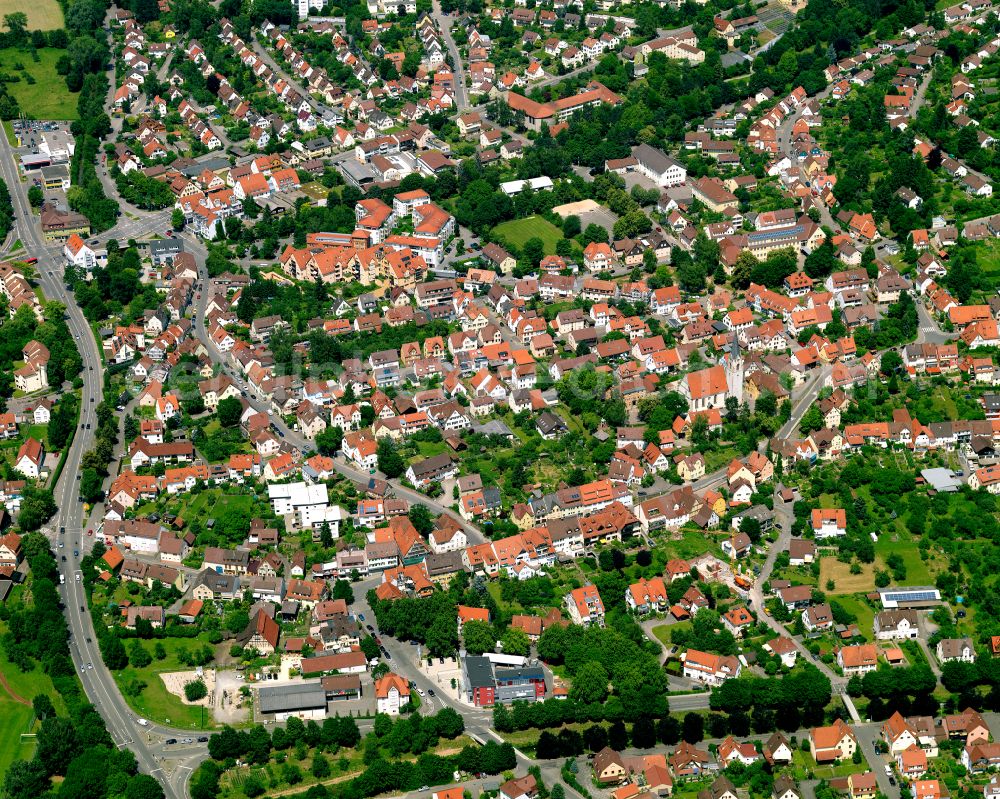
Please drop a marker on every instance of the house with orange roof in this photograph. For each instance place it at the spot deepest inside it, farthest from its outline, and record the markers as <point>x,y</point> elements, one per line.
<point>912,763</point>
<point>709,668</point>
<point>832,743</point>
<point>647,596</point>
<point>585,606</point>
<point>859,659</point>
<point>391,693</point>
<point>466,613</point>
<point>829,522</point>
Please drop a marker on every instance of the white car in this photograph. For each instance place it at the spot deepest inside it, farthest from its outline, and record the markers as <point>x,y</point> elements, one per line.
<point>142,722</point>
<point>421,692</point>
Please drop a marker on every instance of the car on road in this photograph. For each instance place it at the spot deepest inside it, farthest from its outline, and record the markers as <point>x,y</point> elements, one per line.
<point>369,628</point>
<point>64,558</point>
<point>90,665</point>
<point>61,545</point>
<point>76,553</point>
<point>83,609</point>
<point>422,692</point>
<point>170,741</point>
<point>361,617</point>
<point>430,692</point>
<point>203,739</point>
<point>142,722</point>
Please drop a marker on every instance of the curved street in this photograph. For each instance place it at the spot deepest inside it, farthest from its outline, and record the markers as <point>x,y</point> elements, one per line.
<point>67,524</point>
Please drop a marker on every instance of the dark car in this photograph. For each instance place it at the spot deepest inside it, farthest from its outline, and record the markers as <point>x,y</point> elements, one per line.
<point>171,741</point>
<point>203,739</point>
<point>430,692</point>
<point>892,780</point>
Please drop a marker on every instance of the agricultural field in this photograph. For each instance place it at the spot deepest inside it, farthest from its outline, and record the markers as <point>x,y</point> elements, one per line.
<point>518,231</point>
<point>47,97</point>
<point>43,15</point>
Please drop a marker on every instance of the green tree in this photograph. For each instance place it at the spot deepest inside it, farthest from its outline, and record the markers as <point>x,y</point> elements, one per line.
<point>590,684</point>
<point>229,411</point>
<point>195,690</point>
<point>478,637</point>
<point>17,26</point>
<point>329,441</point>
<point>390,462</point>
<point>143,786</point>
<point>320,767</point>
<point>533,251</point>
<point>516,642</point>
<point>25,779</point>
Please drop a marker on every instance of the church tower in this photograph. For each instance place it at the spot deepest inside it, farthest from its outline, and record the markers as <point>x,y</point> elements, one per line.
<point>734,369</point>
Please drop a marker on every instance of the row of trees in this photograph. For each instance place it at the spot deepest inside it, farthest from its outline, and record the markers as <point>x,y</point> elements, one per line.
<point>76,747</point>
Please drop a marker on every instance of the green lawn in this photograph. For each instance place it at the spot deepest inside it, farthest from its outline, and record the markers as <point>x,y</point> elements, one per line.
<point>40,432</point>
<point>16,719</point>
<point>47,97</point>
<point>861,610</point>
<point>917,572</point>
<point>155,702</point>
<point>518,231</point>
<point>662,633</point>
<point>210,500</point>
<point>803,765</point>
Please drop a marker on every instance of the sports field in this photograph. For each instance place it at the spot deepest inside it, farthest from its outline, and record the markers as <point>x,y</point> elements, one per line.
<point>47,97</point>
<point>518,231</point>
<point>43,15</point>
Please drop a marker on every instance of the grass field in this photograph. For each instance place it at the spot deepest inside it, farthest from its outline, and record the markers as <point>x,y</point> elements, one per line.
<point>865,615</point>
<point>917,572</point>
<point>43,15</point>
<point>662,633</point>
<point>47,97</point>
<point>155,702</point>
<point>15,716</point>
<point>846,583</point>
<point>518,231</point>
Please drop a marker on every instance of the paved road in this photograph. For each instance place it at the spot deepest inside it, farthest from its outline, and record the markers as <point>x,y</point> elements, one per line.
<point>260,403</point>
<point>443,22</point>
<point>301,88</point>
<point>97,681</point>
